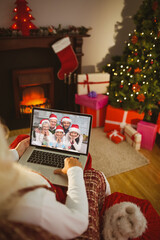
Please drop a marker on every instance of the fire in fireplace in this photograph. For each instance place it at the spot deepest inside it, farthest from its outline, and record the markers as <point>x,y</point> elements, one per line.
<point>33,96</point>
<point>32,88</point>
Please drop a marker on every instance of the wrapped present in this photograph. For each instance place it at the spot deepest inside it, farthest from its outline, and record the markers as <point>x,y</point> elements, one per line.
<point>158,124</point>
<point>116,136</point>
<point>95,103</point>
<point>148,131</point>
<point>92,82</point>
<point>133,137</point>
<point>117,118</point>
<point>98,115</point>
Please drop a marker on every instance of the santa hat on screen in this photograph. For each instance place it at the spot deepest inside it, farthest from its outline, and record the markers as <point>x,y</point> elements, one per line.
<point>66,119</point>
<point>59,128</point>
<point>43,121</point>
<point>74,128</point>
<point>52,116</point>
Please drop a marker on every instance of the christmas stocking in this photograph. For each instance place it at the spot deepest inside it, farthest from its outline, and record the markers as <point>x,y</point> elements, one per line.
<point>66,55</point>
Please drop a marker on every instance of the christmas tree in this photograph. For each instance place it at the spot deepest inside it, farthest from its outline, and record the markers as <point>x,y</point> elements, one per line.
<point>135,76</point>
<point>23,18</point>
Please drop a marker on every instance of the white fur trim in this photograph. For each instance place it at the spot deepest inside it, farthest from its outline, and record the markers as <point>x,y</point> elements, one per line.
<point>66,120</point>
<point>59,130</point>
<point>53,118</point>
<point>61,44</point>
<point>74,130</point>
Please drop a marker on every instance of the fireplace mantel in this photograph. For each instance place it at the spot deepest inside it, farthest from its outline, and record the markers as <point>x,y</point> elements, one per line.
<point>15,43</point>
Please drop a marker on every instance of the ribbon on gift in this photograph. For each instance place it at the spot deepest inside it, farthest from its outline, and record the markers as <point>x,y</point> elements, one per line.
<point>122,124</point>
<point>132,137</point>
<point>115,133</point>
<point>86,82</point>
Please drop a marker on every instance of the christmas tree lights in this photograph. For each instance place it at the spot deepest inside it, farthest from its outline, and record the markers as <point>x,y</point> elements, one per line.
<point>135,76</point>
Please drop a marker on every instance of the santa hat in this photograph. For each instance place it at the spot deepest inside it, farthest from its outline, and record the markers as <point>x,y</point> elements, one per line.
<point>52,116</point>
<point>59,129</point>
<point>43,121</point>
<point>74,128</point>
<point>66,119</point>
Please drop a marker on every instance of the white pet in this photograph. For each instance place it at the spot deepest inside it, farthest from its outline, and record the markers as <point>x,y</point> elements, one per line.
<point>123,221</point>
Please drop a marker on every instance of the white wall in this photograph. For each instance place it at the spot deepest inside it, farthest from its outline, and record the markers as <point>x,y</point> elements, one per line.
<point>110,21</point>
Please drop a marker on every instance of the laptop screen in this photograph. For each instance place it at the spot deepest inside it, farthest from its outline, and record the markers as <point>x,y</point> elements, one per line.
<point>60,130</point>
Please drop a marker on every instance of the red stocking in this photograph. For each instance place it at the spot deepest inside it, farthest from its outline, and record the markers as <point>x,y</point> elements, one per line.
<point>66,55</point>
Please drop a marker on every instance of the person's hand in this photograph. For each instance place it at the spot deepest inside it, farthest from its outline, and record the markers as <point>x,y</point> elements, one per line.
<point>22,146</point>
<point>68,163</point>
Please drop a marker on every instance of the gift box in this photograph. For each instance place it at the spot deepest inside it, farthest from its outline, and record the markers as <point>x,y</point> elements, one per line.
<point>115,136</point>
<point>95,103</point>
<point>158,124</point>
<point>133,137</point>
<point>117,118</point>
<point>148,131</point>
<point>98,115</point>
<point>92,82</point>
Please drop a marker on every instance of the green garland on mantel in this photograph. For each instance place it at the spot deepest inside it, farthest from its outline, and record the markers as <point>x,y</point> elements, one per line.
<point>46,31</point>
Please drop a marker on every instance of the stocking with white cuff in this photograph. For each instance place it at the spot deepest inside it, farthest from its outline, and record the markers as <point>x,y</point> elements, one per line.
<point>66,55</point>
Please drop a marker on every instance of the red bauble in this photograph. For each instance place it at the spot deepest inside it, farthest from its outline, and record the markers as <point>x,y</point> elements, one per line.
<point>121,86</point>
<point>134,39</point>
<point>141,97</point>
<point>150,113</point>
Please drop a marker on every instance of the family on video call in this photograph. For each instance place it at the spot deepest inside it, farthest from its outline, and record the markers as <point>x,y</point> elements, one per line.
<point>64,136</point>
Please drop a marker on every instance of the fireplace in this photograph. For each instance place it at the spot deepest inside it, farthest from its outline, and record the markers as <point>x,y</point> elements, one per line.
<point>20,55</point>
<point>32,88</point>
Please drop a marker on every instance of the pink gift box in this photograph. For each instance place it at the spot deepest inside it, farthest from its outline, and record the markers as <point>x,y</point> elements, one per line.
<point>148,131</point>
<point>95,103</point>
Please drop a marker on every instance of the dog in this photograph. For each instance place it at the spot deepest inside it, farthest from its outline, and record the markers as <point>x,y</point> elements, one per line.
<point>123,221</point>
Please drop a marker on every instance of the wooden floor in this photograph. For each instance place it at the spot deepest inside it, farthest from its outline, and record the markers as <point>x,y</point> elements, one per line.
<point>143,182</point>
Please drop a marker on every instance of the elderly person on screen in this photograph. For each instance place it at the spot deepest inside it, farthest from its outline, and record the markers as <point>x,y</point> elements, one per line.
<point>44,136</point>
<point>25,196</point>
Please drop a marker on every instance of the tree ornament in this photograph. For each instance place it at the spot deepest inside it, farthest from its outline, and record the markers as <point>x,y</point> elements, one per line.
<point>121,86</point>
<point>135,53</point>
<point>141,97</point>
<point>129,69</point>
<point>136,87</point>
<point>23,18</point>
<point>134,39</point>
<point>150,113</point>
<point>152,61</point>
<point>158,102</point>
<point>137,70</point>
<point>155,5</point>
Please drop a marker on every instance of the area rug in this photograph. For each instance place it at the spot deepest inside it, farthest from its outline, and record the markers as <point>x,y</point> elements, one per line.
<point>111,158</point>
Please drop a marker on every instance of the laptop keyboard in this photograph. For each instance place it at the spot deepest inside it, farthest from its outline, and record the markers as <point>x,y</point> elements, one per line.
<point>47,158</point>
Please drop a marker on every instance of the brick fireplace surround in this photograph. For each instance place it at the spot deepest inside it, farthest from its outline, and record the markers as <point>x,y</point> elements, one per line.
<point>34,52</point>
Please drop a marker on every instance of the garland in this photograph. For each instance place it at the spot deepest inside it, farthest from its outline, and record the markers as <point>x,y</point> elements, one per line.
<point>46,31</point>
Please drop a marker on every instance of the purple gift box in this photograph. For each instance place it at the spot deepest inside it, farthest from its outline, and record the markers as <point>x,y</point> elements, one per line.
<point>95,103</point>
<point>148,131</point>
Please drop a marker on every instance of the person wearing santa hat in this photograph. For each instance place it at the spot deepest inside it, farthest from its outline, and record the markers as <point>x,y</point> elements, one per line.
<point>74,138</point>
<point>44,137</point>
<point>52,121</point>
<point>66,123</point>
<point>58,137</point>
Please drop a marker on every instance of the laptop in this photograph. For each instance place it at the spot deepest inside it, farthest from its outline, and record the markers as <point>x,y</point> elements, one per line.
<point>42,146</point>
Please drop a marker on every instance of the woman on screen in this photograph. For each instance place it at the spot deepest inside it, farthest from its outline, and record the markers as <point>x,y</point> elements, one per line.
<point>58,138</point>
<point>74,138</point>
